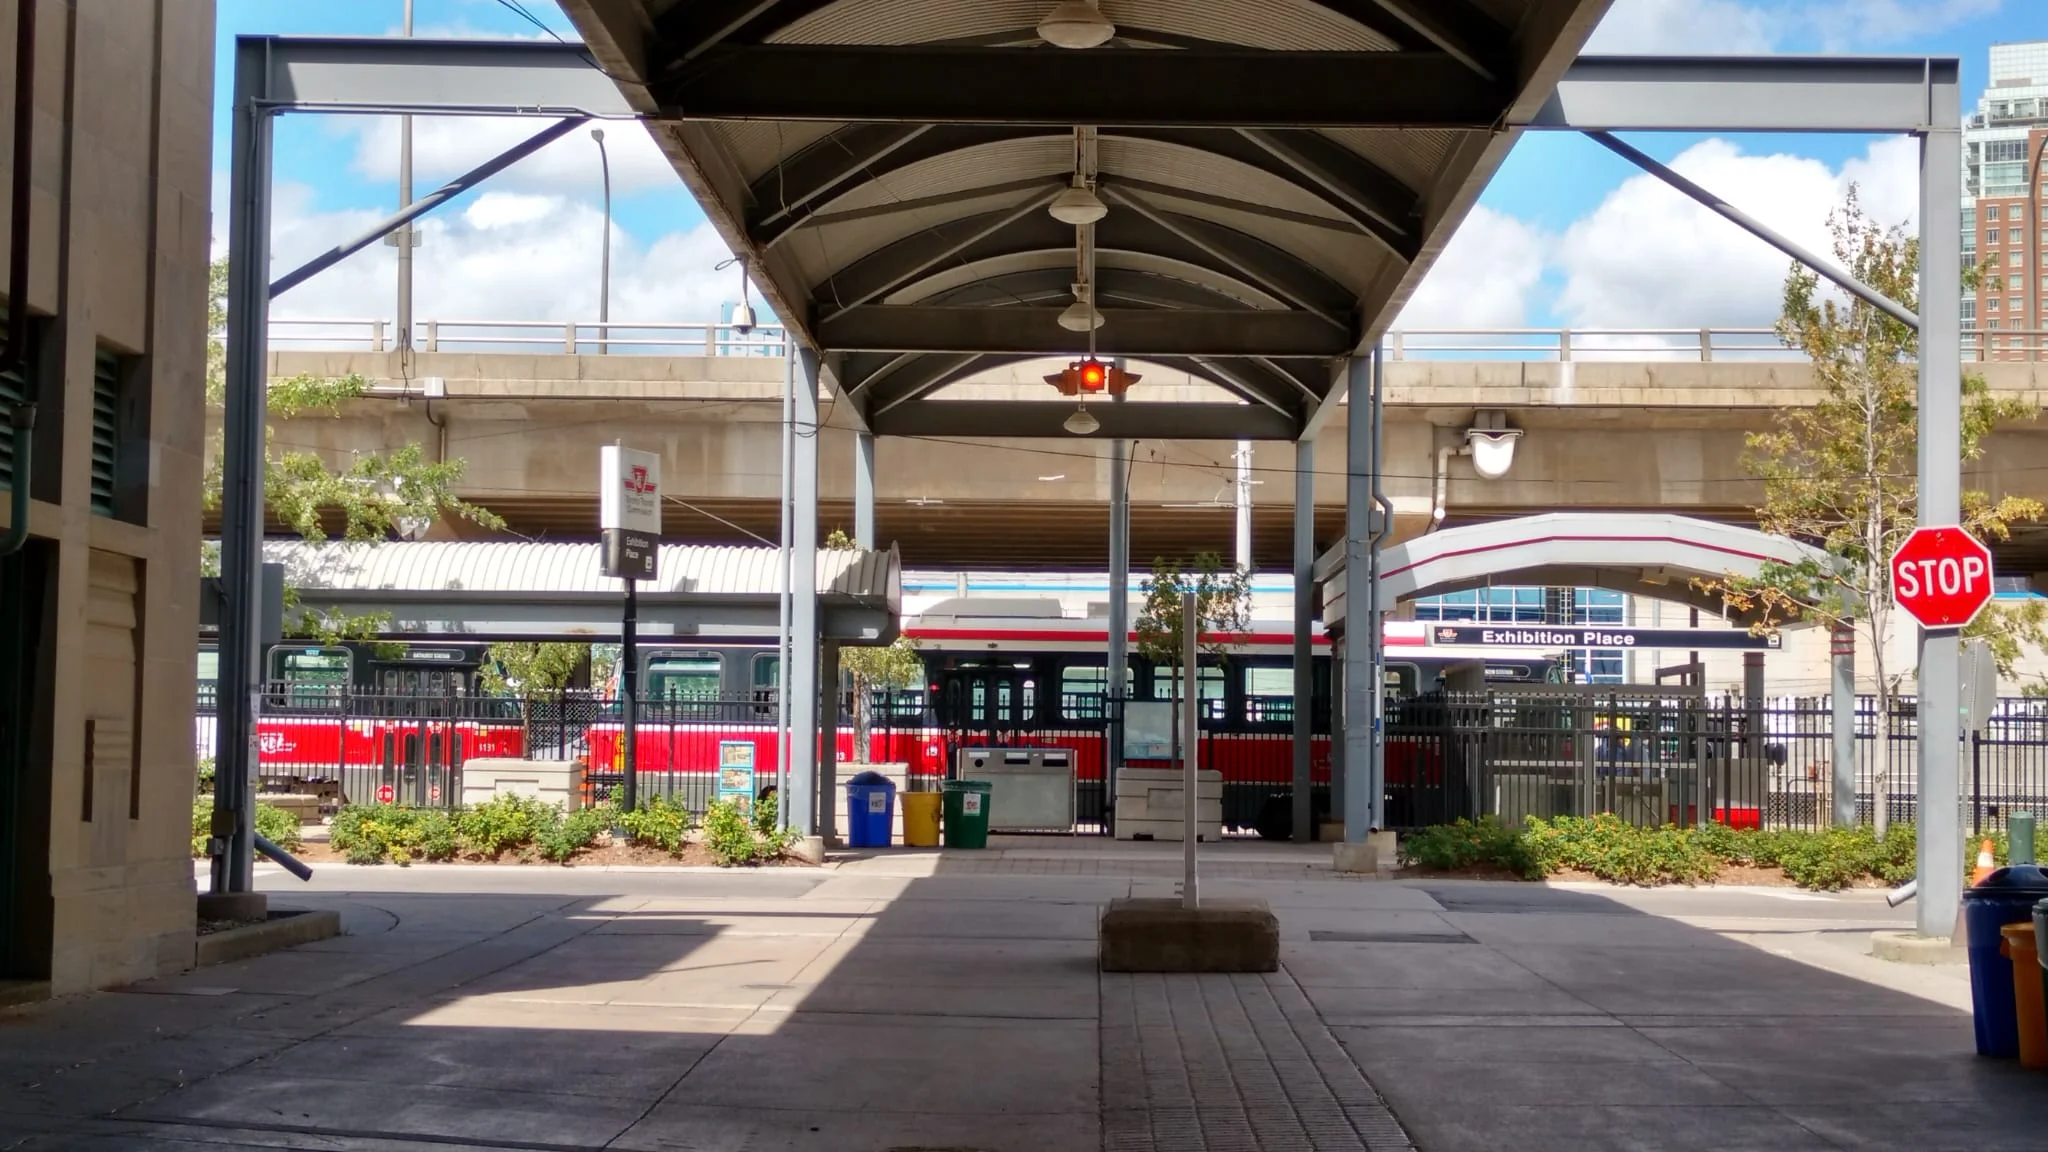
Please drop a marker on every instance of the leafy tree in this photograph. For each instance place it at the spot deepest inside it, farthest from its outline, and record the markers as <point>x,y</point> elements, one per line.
<point>1223,611</point>
<point>531,670</point>
<point>373,496</point>
<point>1843,474</point>
<point>876,669</point>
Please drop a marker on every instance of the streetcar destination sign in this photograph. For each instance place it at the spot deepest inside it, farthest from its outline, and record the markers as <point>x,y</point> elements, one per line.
<point>1596,636</point>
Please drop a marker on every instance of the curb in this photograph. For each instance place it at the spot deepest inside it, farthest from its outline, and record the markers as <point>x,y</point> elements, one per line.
<point>286,928</point>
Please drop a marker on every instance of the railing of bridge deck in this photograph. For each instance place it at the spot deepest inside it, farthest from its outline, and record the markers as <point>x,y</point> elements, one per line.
<point>1525,345</point>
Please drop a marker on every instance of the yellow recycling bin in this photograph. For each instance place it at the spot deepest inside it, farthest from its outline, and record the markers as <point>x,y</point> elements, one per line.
<point>921,819</point>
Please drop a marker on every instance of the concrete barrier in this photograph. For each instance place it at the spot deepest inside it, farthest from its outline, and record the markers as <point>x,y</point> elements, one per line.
<point>555,781</point>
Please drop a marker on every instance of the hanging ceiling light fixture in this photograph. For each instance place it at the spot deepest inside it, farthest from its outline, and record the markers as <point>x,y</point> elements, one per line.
<point>1081,315</point>
<point>1081,423</point>
<point>1076,24</point>
<point>1077,204</point>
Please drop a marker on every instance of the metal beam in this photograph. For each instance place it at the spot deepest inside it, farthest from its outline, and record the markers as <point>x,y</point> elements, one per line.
<point>921,377</point>
<point>426,204</point>
<point>1246,378</point>
<point>1127,285</point>
<point>1456,28</point>
<point>864,492</point>
<point>389,75</point>
<point>1365,197</point>
<point>1234,256</point>
<point>1333,399</point>
<point>1746,94</point>
<point>1760,230</point>
<point>1231,250</point>
<point>1238,88</point>
<point>899,263</point>
<point>1042,420</point>
<point>701,25</point>
<point>1125,332</point>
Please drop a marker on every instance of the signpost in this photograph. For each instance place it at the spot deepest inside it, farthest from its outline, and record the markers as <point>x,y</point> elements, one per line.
<point>1941,577</point>
<point>629,503</point>
<point>1596,636</point>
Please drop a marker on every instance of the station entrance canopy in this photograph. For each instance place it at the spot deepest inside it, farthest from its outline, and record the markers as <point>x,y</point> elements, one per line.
<point>511,591</point>
<point>1656,556</point>
<point>1278,176</point>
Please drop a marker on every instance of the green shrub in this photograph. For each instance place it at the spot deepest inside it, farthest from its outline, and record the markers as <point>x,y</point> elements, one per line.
<point>730,835</point>
<point>658,822</point>
<point>1831,859</point>
<point>1451,847</point>
<point>1898,855</point>
<point>275,824</point>
<point>437,837</point>
<point>503,823</point>
<point>1619,852</point>
<point>562,835</point>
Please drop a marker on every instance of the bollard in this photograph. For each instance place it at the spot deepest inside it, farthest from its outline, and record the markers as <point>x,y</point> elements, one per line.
<point>2019,837</point>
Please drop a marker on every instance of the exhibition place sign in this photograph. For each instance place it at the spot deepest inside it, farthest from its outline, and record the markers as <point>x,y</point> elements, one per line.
<point>1595,636</point>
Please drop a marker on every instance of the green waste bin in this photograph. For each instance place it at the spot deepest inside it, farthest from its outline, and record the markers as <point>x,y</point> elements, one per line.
<point>967,813</point>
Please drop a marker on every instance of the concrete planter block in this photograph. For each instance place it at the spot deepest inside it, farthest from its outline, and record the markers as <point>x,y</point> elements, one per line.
<point>554,781</point>
<point>1158,935</point>
<point>284,929</point>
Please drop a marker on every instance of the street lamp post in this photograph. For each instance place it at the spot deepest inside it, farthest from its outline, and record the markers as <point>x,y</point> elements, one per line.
<point>604,272</point>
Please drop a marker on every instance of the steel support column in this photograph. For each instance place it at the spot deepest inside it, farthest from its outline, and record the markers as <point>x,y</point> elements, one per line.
<point>864,490</point>
<point>1941,465</point>
<point>803,614</point>
<point>828,745</point>
<point>1119,611</point>
<point>1362,796</point>
<point>1304,631</point>
<point>245,418</point>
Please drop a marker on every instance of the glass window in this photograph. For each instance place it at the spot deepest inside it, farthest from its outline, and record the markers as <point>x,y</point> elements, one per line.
<point>1991,304</point>
<point>693,677</point>
<point>1599,606</point>
<point>1269,681</point>
<point>1969,309</point>
<point>1991,235</point>
<point>209,665</point>
<point>1165,685</point>
<point>2014,283</point>
<point>1084,689</point>
<point>767,672</point>
<point>1991,211</point>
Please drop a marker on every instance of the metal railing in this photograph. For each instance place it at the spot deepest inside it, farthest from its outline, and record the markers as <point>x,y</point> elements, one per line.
<point>570,337</point>
<point>1538,345</point>
<point>1688,761</point>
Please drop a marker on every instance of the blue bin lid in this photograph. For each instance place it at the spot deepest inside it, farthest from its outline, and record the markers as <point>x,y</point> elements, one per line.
<point>2010,882</point>
<point>877,780</point>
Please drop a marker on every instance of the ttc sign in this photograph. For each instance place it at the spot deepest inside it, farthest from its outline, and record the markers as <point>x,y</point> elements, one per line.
<point>629,511</point>
<point>1941,577</point>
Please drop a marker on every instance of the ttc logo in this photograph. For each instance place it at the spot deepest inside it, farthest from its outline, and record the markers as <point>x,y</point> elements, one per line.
<point>638,482</point>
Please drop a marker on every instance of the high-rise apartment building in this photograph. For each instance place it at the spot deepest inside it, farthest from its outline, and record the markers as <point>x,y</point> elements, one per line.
<point>2004,230</point>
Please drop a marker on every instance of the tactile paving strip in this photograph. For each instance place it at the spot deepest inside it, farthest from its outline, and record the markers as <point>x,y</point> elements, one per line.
<point>1230,1063</point>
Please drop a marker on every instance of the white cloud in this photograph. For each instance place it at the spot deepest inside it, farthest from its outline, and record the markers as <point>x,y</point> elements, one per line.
<point>1690,27</point>
<point>1648,257</point>
<point>447,146</point>
<point>1484,277</point>
<point>1845,25</point>
<point>507,256</point>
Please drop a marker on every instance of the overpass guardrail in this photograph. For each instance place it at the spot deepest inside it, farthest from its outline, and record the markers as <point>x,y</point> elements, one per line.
<point>1553,345</point>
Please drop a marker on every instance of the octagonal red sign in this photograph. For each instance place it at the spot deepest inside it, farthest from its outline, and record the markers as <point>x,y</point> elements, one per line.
<point>1941,577</point>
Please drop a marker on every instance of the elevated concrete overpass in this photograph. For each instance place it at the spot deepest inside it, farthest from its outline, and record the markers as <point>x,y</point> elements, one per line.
<point>1604,429</point>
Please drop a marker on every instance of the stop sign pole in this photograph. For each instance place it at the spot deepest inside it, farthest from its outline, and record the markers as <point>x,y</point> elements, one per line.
<point>1941,576</point>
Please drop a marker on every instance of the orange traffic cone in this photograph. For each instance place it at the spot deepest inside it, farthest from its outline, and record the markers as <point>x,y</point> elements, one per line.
<point>1985,865</point>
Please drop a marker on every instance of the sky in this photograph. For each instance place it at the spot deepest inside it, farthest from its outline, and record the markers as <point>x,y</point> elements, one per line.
<point>1566,235</point>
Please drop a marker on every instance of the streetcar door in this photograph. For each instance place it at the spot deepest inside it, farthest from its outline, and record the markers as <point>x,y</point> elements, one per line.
<point>990,701</point>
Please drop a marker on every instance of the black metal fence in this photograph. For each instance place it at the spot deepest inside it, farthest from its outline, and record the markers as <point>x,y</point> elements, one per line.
<point>1686,760</point>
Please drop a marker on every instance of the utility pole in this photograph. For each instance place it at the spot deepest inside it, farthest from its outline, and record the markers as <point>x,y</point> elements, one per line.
<point>403,237</point>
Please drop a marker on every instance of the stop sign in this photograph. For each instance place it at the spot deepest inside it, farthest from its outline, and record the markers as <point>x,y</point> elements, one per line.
<point>1941,577</point>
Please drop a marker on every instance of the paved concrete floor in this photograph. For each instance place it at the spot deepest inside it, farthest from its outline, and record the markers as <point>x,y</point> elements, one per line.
<point>951,1002</point>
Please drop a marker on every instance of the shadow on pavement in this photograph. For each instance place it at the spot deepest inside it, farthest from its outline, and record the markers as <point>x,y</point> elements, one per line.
<point>863,1011</point>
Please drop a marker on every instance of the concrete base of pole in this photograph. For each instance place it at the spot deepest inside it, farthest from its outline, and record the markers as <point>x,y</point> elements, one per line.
<point>1913,948</point>
<point>809,849</point>
<point>233,905</point>
<point>1330,832</point>
<point>1375,855</point>
<point>1159,935</point>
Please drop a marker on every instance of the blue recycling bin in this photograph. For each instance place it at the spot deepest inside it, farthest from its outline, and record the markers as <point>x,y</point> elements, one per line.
<point>2006,896</point>
<point>871,812</point>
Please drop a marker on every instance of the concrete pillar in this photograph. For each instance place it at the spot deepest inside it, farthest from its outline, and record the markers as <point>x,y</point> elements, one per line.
<point>1119,614</point>
<point>803,617</point>
<point>1842,704</point>
<point>864,489</point>
<point>1362,797</point>
<point>1304,627</point>
<point>1940,838</point>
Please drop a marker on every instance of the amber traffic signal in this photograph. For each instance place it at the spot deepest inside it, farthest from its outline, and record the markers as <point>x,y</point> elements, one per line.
<point>1091,378</point>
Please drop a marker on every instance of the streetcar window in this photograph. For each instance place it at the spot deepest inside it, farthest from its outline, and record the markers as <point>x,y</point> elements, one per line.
<point>1402,681</point>
<point>767,675</point>
<point>209,665</point>
<point>1268,694</point>
<point>311,665</point>
<point>683,678</point>
<point>1084,690</point>
<point>1166,685</point>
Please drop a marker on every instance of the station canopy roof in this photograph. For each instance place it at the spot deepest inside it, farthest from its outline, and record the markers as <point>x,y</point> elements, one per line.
<point>1278,174</point>
<point>506,591</point>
